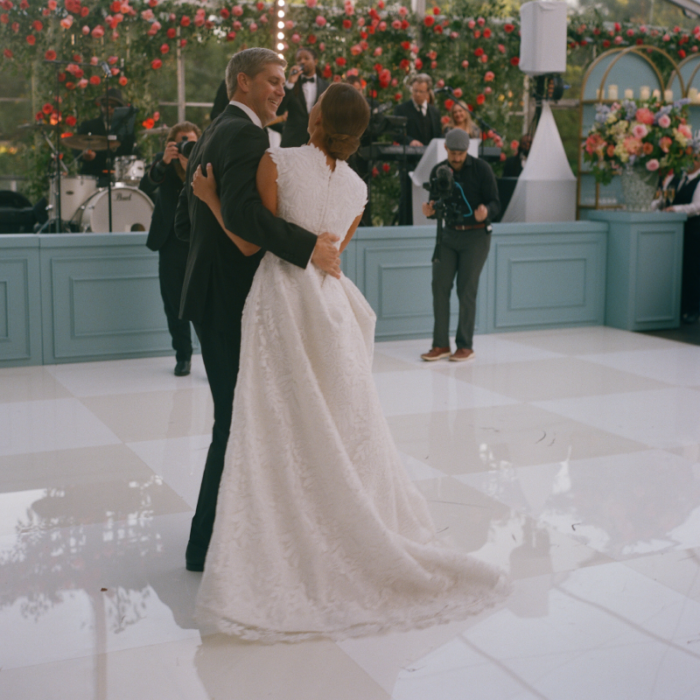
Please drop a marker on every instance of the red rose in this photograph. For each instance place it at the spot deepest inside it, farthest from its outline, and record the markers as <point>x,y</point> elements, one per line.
<point>429,20</point>
<point>347,24</point>
<point>4,19</point>
<point>224,13</point>
<point>405,45</point>
<point>340,61</point>
<point>478,52</point>
<point>449,104</point>
<point>164,48</point>
<point>375,171</point>
<point>182,42</point>
<point>311,39</point>
<point>185,21</point>
<point>84,11</point>
<point>419,64</point>
<point>122,80</point>
<point>148,123</point>
<point>606,44</point>
<point>327,71</point>
<point>231,36</point>
<point>50,55</point>
<point>515,61</point>
<point>386,167</point>
<point>682,53</point>
<point>47,108</point>
<point>438,29</point>
<point>70,86</point>
<point>171,33</point>
<point>156,63</point>
<point>508,28</point>
<point>487,33</point>
<point>480,99</point>
<point>37,25</point>
<point>95,80</point>
<point>31,40</point>
<point>436,10</point>
<point>71,120</point>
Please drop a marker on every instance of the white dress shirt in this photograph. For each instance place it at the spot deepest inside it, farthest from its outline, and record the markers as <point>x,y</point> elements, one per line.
<point>253,116</point>
<point>310,89</point>
<point>423,109</point>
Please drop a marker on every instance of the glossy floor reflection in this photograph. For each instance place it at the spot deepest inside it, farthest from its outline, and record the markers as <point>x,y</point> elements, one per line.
<point>570,458</point>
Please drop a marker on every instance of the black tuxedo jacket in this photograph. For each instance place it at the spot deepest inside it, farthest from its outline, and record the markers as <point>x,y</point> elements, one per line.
<point>218,275</point>
<point>165,192</point>
<point>419,127</point>
<point>296,127</point>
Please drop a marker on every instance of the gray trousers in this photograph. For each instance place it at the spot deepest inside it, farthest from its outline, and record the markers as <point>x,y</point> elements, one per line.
<point>462,253</point>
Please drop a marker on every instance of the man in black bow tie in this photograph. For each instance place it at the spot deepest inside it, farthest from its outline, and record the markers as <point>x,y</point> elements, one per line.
<point>304,87</point>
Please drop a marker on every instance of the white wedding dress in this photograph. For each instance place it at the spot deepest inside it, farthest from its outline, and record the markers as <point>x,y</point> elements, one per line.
<point>319,532</point>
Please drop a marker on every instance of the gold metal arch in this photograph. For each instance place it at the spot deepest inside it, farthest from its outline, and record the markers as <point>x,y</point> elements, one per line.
<point>677,71</point>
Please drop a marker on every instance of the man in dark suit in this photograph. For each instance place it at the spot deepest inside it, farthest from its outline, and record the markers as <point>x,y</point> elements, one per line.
<point>95,162</point>
<point>218,275</point>
<point>423,123</point>
<point>304,87</point>
<point>163,183</point>
<point>422,126</point>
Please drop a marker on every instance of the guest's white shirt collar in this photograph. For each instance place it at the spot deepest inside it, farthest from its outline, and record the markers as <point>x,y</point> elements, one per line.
<point>253,116</point>
<point>423,109</point>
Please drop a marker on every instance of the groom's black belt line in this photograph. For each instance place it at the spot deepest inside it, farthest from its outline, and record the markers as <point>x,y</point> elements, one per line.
<point>467,228</point>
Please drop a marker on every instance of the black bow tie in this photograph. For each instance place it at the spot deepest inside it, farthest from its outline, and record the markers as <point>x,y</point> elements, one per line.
<point>307,80</point>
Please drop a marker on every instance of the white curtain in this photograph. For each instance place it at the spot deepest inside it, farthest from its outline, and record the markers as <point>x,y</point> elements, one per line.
<point>546,189</point>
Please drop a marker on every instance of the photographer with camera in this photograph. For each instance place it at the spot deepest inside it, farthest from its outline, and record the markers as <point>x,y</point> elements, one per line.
<point>464,199</point>
<point>163,183</point>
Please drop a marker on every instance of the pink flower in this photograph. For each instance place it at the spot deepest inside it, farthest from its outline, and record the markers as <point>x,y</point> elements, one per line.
<point>632,145</point>
<point>321,21</point>
<point>644,116</point>
<point>489,76</point>
<point>665,143</point>
<point>653,165</point>
<point>237,10</point>
<point>685,130</point>
<point>66,22</point>
<point>311,3</point>
<point>664,121</point>
<point>639,131</point>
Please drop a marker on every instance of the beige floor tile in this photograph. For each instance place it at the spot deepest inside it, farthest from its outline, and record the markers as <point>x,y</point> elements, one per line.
<point>385,363</point>
<point>550,379</point>
<point>474,440</point>
<point>30,384</point>
<point>155,415</point>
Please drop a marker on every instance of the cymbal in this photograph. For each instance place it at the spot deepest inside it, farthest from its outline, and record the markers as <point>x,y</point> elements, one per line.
<point>92,142</point>
<point>25,129</point>
<point>156,131</point>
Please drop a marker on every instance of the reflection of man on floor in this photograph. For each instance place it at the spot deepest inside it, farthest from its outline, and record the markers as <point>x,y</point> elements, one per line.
<point>465,244</point>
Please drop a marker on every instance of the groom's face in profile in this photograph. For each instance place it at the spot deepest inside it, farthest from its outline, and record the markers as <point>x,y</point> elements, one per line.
<point>266,91</point>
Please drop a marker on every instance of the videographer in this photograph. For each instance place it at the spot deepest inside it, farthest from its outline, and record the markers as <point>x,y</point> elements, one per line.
<point>163,183</point>
<point>464,198</point>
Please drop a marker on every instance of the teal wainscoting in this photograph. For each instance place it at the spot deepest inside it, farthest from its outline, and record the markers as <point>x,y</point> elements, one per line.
<point>20,301</point>
<point>644,268</point>
<point>78,297</point>
<point>101,298</point>
<point>546,275</point>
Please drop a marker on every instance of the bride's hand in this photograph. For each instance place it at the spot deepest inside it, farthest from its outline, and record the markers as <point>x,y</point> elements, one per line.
<point>203,186</point>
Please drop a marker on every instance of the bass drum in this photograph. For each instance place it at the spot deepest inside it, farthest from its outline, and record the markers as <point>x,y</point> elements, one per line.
<point>75,190</point>
<point>131,211</point>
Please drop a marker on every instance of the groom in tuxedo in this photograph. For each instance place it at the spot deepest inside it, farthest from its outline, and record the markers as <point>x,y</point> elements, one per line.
<point>218,276</point>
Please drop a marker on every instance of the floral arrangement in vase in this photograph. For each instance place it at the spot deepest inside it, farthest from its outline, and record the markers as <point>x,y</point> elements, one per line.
<point>647,136</point>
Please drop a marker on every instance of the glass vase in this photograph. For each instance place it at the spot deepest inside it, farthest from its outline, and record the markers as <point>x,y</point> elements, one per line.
<point>639,186</point>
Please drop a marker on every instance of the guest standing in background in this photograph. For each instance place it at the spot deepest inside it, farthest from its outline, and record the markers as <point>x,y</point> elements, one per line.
<point>163,183</point>
<point>461,119</point>
<point>304,87</point>
<point>423,123</point>
<point>686,200</point>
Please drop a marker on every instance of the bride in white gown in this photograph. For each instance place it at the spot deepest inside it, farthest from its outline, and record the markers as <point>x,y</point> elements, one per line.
<point>319,532</point>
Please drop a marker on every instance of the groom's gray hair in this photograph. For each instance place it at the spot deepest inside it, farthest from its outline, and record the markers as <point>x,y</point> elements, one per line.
<point>250,62</point>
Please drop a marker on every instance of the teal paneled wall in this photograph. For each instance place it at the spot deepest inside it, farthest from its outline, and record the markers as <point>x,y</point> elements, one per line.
<point>20,301</point>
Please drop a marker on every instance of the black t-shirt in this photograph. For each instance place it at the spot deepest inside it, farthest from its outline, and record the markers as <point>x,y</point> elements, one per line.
<point>475,184</point>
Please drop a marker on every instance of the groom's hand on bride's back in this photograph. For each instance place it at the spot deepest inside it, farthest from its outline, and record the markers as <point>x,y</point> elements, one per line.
<point>326,255</point>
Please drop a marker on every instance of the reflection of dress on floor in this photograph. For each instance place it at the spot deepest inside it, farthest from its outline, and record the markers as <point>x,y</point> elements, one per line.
<point>319,531</point>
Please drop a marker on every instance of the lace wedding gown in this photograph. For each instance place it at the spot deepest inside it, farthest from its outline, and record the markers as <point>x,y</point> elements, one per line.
<point>319,531</point>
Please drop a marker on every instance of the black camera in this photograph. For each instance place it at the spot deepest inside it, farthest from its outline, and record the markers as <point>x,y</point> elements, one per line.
<point>444,182</point>
<point>184,147</point>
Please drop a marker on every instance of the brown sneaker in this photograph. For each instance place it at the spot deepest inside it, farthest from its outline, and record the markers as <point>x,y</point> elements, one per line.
<point>435,354</point>
<point>462,355</point>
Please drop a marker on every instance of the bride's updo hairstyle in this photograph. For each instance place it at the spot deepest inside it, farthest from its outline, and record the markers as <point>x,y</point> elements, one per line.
<point>344,118</point>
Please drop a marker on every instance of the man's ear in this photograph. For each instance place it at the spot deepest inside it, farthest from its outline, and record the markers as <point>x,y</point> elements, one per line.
<point>243,82</point>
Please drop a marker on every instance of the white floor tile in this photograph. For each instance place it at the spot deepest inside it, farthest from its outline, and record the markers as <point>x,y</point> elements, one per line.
<point>666,418</point>
<point>676,364</point>
<point>402,393</point>
<point>39,426</point>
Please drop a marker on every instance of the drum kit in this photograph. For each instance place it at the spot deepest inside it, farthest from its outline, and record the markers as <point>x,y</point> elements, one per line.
<point>86,207</point>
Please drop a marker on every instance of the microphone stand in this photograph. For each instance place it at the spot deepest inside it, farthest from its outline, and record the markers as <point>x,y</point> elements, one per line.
<point>108,75</point>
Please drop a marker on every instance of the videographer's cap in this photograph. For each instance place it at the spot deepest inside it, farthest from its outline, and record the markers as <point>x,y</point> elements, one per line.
<point>457,140</point>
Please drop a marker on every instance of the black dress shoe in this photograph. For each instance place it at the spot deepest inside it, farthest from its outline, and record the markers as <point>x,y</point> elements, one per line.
<point>194,565</point>
<point>182,369</point>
